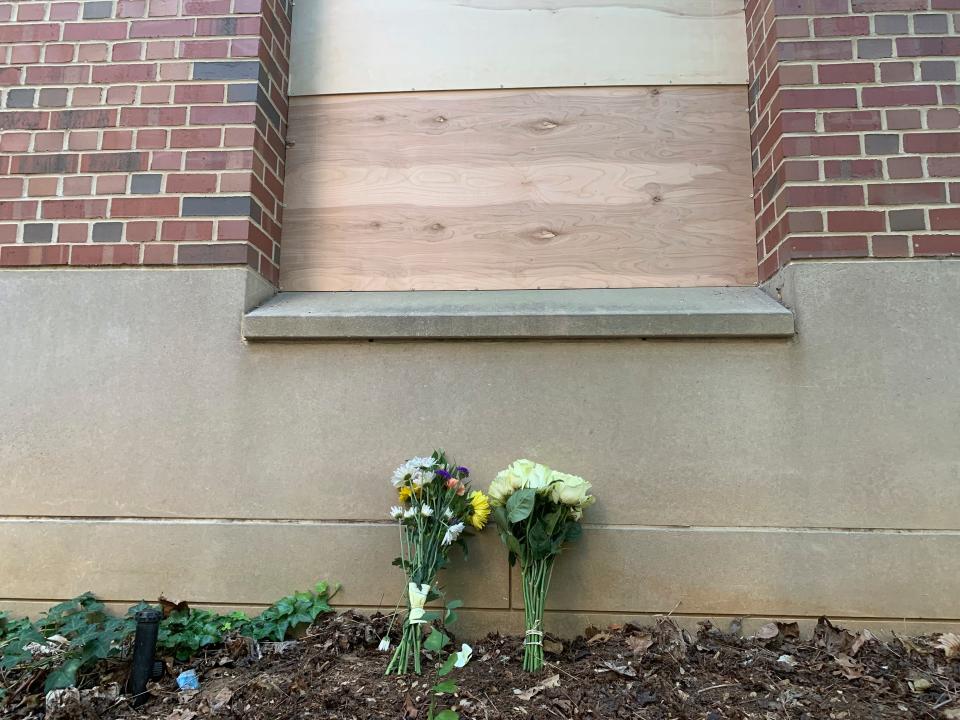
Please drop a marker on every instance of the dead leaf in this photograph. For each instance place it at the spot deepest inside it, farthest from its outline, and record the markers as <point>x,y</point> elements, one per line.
<point>919,685</point>
<point>169,607</point>
<point>600,637</point>
<point>909,645</point>
<point>410,710</point>
<point>837,641</point>
<point>590,631</point>
<point>950,644</point>
<point>221,699</point>
<point>952,714</point>
<point>552,646</point>
<point>767,632</point>
<point>619,668</point>
<point>180,714</point>
<point>851,669</point>
<point>639,643</point>
<point>790,631</point>
<point>670,638</point>
<point>526,695</point>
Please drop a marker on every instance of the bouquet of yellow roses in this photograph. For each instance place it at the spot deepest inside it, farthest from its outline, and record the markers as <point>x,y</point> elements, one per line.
<point>436,506</point>
<point>537,511</point>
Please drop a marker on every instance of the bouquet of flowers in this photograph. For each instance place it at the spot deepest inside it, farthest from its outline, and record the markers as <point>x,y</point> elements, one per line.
<point>537,511</point>
<point>436,506</point>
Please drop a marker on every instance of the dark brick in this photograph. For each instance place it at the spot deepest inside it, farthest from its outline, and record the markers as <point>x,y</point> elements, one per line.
<point>38,232</point>
<point>882,144</point>
<point>44,164</point>
<point>21,98</point>
<point>213,206</point>
<point>930,24</point>
<point>873,48</point>
<point>107,232</point>
<point>72,119</point>
<point>907,220</point>
<point>907,193</point>
<point>212,254</point>
<point>938,70</point>
<point>98,10</point>
<point>114,162</point>
<point>145,184</point>
<point>245,70</point>
<point>266,105</point>
<point>246,92</point>
<point>891,24</point>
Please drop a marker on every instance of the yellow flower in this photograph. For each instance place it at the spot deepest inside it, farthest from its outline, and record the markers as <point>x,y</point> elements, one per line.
<point>405,493</point>
<point>481,509</point>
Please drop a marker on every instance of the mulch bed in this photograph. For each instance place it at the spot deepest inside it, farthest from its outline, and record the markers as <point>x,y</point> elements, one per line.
<point>336,672</point>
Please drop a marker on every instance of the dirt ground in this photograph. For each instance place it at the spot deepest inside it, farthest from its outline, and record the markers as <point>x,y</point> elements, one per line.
<point>335,672</point>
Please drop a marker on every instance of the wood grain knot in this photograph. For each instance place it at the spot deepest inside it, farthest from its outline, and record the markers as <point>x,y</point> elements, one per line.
<point>437,227</point>
<point>547,125</point>
<point>544,234</point>
<point>439,119</point>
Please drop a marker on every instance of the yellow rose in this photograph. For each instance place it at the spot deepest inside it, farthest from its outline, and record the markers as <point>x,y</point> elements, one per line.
<point>500,489</point>
<point>570,490</point>
<point>528,474</point>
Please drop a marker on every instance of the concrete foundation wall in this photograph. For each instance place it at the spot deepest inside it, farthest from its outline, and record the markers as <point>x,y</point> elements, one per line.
<point>147,448</point>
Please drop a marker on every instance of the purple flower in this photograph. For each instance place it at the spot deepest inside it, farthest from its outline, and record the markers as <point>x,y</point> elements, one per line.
<point>443,473</point>
<point>463,471</point>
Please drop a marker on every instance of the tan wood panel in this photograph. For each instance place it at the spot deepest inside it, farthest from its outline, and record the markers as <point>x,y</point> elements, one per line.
<point>366,46</point>
<point>564,188</point>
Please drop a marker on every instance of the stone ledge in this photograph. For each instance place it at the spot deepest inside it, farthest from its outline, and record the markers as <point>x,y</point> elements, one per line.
<point>520,314</point>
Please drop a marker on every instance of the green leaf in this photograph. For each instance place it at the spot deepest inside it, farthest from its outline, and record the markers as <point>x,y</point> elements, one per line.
<point>500,518</point>
<point>520,505</point>
<point>573,532</point>
<point>431,615</point>
<point>550,521</point>
<point>64,676</point>
<point>539,541</point>
<point>446,715</point>
<point>436,641</point>
<point>445,687</point>
<point>448,665</point>
<point>451,616</point>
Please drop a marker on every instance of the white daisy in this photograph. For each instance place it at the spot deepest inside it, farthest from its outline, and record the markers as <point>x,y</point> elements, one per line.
<point>448,514</point>
<point>426,510</point>
<point>422,462</point>
<point>384,645</point>
<point>396,512</point>
<point>409,513</point>
<point>453,532</point>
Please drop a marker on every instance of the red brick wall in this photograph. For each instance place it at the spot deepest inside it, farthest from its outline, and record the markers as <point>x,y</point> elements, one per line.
<point>856,130</point>
<point>143,132</point>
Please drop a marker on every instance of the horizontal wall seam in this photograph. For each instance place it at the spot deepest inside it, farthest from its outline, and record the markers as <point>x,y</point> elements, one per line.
<point>133,520</point>
<point>366,608</point>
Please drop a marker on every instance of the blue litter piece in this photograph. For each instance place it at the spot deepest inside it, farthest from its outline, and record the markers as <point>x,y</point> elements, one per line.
<point>188,680</point>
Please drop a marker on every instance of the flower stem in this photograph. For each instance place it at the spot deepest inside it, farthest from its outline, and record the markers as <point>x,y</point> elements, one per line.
<point>536,582</point>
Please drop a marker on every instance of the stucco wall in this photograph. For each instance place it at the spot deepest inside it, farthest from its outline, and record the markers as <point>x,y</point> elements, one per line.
<point>147,448</point>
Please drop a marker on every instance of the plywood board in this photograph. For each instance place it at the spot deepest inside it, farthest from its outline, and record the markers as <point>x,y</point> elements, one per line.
<point>565,188</point>
<point>365,46</point>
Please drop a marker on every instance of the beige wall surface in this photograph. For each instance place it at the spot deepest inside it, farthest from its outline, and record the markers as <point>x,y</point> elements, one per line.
<point>147,448</point>
<point>367,46</point>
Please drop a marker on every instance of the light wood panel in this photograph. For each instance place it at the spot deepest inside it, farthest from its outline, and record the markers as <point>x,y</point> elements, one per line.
<point>566,188</point>
<point>364,46</point>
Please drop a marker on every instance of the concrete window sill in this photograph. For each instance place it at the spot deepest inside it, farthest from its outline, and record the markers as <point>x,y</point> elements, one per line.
<point>518,314</point>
